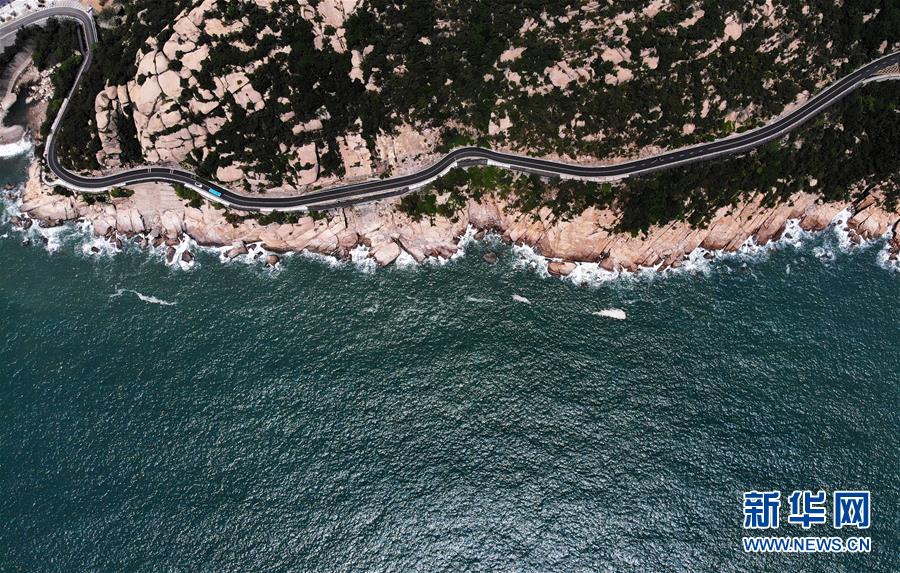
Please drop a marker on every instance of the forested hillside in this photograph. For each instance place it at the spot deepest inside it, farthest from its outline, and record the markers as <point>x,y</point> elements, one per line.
<point>288,95</point>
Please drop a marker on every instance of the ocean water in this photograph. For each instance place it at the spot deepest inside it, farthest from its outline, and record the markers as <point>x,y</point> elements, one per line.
<point>323,417</point>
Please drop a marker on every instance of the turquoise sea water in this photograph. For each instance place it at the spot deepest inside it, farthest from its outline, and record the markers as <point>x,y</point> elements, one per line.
<point>322,418</point>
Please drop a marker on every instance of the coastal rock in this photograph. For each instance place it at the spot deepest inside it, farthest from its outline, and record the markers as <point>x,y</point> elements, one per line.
<point>819,216</point>
<point>490,257</point>
<point>21,222</point>
<point>236,251</point>
<point>385,253</point>
<point>893,244</point>
<point>272,260</point>
<point>229,174</point>
<point>869,222</point>
<point>129,221</point>
<point>172,223</point>
<point>387,232</point>
<point>187,257</point>
<point>560,268</point>
<point>346,240</point>
<point>108,112</point>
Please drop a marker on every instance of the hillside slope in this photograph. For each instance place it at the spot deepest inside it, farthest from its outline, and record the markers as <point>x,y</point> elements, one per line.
<point>285,95</point>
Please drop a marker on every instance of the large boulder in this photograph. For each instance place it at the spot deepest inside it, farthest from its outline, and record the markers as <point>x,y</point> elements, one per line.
<point>560,268</point>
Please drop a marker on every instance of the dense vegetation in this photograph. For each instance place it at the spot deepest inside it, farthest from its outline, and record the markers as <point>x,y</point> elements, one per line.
<point>114,64</point>
<point>854,143</point>
<point>53,46</point>
<point>193,198</point>
<point>439,64</point>
<point>275,217</point>
<point>857,142</point>
<point>306,82</point>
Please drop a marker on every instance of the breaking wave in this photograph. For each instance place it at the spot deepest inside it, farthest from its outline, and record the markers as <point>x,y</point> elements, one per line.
<point>825,246</point>
<point>21,147</point>
<point>478,300</point>
<point>143,297</point>
<point>359,256</point>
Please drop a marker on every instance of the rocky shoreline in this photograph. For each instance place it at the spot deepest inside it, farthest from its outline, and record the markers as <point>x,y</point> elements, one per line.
<point>155,216</point>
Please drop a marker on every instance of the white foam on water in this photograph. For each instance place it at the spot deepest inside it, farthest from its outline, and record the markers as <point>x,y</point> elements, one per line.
<point>16,149</point>
<point>824,254</point>
<point>104,247</point>
<point>11,207</point>
<point>81,232</point>
<point>53,236</point>
<point>592,274</point>
<point>465,240</point>
<point>405,261</point>
<point>749,252</point>
<point>884,259</point>
<point>794,235</point>
<point>186,244</point>
<point>222,251</point>
<point>329,260</point>
<point>492,238</point>
<point>153,299</point>
<point>521,299</point>
<point>359,256</point>
<point>255,255</point>
<point>614,313</point>
<point>700,261</point>
<point>703,261</point>
<point>478,300</point>
<point>527,258</point>
<point>143,297</point>
<point>98,247</point>
<point>842,231</point>
<point>697,262</point>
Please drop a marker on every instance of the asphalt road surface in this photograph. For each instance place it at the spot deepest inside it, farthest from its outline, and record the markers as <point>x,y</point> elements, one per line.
<point>345,195</point>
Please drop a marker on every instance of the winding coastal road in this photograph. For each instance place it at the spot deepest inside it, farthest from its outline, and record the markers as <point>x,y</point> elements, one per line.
<point>345,195</point>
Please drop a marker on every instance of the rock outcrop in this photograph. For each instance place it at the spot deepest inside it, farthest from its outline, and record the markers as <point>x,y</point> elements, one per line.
<point>110,107</point>
<point>176,109</point>
<point>155,210</point>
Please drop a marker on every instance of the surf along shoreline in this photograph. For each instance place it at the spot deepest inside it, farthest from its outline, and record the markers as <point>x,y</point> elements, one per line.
<point>154,216</point>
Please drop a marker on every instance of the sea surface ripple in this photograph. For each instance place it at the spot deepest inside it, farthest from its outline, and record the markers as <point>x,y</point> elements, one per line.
<point>321,418</point>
